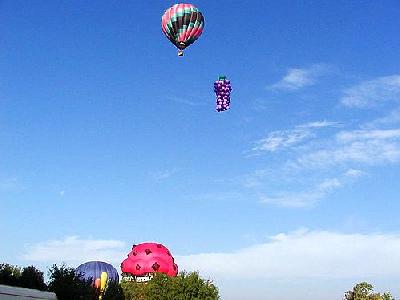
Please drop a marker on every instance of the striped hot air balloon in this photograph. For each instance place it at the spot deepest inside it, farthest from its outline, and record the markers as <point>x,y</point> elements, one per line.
<point>182,24</point>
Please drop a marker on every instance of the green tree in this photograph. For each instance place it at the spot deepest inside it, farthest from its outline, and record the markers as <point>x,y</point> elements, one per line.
<point>133,290</point>
<point>9,274</point>
<point>32,278</point>
<point>192,286</point>
<point>69,286</point>
<point>364,291</point>
<point>113,291</point>
<point>161,287</point>
<point>185,286</point>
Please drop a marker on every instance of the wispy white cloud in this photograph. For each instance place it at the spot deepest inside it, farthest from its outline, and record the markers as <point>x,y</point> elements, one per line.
<point>281,139</point>
<point>254,179</point>
<point>373,92</point>
<point>339,155</point>
<point>370,147</point>
<point>184,100</point>
<point>354,173</point>
<point>304,254</point>
<point>164,174</point>
<point>311,195</point>
<point>319,124</point>
<point>392,118</point>
<point>304,198</point>
<point>357,135</point>
<point>277,140</point>
<point>297,78</point>
<point>74,250</point>
<point>260,103</point>
<point>221,196</point>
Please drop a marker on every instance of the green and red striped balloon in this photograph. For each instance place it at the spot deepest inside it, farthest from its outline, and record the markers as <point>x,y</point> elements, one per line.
<point>182,24</point>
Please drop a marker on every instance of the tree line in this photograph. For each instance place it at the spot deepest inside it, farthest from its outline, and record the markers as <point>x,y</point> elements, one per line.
<point>68,285</point>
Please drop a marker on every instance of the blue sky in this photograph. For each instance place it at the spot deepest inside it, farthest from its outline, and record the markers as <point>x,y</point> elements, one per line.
<point>109,139</point>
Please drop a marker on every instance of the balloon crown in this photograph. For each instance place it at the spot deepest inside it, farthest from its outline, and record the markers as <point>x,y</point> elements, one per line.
<point>222,77</point>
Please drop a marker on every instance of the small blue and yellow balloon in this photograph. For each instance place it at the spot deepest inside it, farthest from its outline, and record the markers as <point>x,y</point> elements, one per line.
<point>99,273</point>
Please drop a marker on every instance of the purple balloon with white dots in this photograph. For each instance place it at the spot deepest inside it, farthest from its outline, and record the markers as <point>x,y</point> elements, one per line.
<point>222,89</point>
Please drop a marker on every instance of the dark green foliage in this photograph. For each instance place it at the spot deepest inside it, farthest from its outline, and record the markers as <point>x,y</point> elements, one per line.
<point>191,286</point>
<point>133,290</point>
<point>69,286</point>
<point>28,277</point>
<point>186,286</point>
<point>364,291</point>
<point>32,278</point>
<point>113,291</point>
<point>161,287</point>
<point>9,275</point>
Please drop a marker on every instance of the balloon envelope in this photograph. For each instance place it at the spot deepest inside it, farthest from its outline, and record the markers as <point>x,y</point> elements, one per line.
<point>93,269</point>
<point>222,89</point>
<point>148,258</point>
<point>103,280</point>
<point>182,24</point>
<point>97,283</point>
